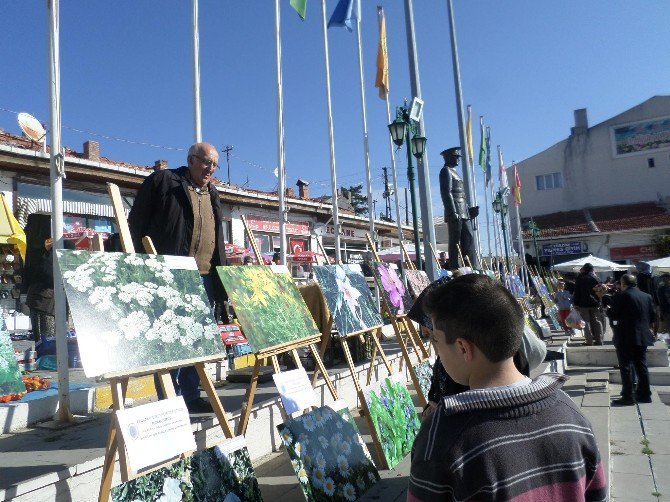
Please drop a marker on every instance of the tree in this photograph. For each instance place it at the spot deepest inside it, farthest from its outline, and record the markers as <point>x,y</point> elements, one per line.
<point>662,243</point>
<point>357,199</point>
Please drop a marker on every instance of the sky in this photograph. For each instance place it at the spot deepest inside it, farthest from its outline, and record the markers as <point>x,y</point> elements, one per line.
<point>126,73</point>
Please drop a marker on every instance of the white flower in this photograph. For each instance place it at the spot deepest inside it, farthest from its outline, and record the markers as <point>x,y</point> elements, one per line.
<point>101,298</point>
<point>320,461</point>
<point>286,436</point>
<point>308,422</point>
<point>349,492</point>
<point>360,482</point>
<point>302,475</point>
<point>318,475</point>
<point>171,490</point>
<point>133,259</point>
<point>134,325</point>
<point>345,447</point>
<point>211,329</point>
<point>335,440</point>
<point>343,465</point>
<point>329,486</point>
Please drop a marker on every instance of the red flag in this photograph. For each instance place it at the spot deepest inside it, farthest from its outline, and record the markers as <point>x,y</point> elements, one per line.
<point>516,189</point>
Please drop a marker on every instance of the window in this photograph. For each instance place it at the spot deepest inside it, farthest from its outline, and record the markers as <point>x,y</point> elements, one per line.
<point>549,181</point>
<point>650,162</point>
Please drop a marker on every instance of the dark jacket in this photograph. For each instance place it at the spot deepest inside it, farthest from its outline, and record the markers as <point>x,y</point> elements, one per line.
<point>633,310</point>
<point>646,284</point>
<point>40,294</point>
<point>163,211</point>
<point>584,295</point>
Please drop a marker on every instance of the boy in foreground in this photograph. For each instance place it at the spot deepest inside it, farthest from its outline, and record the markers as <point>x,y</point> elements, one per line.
<point>508,437</point>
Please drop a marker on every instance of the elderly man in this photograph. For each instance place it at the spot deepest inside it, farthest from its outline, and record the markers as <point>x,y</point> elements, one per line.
<point>180,210</point>
<point>633,315</point>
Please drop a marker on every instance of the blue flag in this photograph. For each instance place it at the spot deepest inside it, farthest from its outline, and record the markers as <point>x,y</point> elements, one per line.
<point>488,157</point>
<point>342,14</point>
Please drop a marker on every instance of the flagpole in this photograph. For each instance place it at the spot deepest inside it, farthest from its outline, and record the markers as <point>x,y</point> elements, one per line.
<point>423,170</point>
<point>487,180</point>
<point>280,139</point>
<point>197,127</point>
<point>57,173</point>
<point>366,146</point>
<point>331,143</point>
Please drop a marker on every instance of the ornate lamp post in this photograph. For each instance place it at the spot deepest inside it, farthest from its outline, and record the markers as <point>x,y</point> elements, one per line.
<point>401,129</point>
<point>534,233</point>
<point>500,206</point>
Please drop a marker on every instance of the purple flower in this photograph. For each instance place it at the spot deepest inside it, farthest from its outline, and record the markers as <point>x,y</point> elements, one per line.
<point>393,286</point>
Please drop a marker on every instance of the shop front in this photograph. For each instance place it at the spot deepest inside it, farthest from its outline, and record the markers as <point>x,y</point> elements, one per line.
<point>353,242</point>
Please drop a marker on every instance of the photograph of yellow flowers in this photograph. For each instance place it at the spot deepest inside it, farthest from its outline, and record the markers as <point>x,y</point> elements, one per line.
<point>328,455</point>
<point>392,288</point>
<point>349,299</point>
<point>132,311</point>
<point>10,376</point>
<point>223,472</point>
<point>393,417</point>
<point>417,281</point>
<point>268,306</point>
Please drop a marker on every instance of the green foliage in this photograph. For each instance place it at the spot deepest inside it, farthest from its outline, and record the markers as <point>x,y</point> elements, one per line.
<point>10,376</point>
<point>328,455</point>
<point>357,199</point>
<point>394,417</point>
<point>662,243</point>
<point>268,306</point>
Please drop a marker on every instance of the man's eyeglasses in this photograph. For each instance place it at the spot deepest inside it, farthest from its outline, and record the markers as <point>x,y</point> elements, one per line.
<point>207,162</point>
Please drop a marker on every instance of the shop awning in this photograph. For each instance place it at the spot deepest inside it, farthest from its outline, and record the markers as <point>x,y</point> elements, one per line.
<point>10,230</point>
<point>28,205</point>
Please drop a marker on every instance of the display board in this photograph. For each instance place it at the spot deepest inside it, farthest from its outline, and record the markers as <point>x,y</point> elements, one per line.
<point>417,281</point>
<point>424,372</point>
<point>223,472</point>
<point>391,286</point>
<point>10,376</point>
<point>328,454</point>
<point>349,299</point>
<point>268,306</point>
<point>392,416</point>
<point>134,311</point>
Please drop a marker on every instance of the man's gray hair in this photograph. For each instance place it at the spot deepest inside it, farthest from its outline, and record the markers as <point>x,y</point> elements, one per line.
<point>629,280</point>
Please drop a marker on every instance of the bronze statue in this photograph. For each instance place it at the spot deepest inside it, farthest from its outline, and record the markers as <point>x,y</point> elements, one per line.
<point>457,215</point>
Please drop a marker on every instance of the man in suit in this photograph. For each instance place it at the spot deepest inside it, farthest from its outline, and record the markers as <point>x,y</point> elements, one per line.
<point>633,315</point>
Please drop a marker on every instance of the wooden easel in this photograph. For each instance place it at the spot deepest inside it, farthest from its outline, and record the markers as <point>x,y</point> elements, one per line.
<point>408,261</point>
<point>119,381</point>
<point>403,324</point>
<point>272,353</point>
<point>437,260</point>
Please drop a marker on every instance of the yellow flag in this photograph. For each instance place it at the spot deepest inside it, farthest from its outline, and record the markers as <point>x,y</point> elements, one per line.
<point>468,138</point>
<point>382,80</point>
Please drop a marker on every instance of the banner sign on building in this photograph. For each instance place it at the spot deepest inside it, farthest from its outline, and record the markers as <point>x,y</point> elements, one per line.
<point>633,253</point>
<point>260,224</point>
<point>641,136</point>
<point>560,248</point>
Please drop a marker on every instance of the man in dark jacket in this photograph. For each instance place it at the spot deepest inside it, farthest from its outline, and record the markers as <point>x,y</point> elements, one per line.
<point>588,304</point>
<point>633,315</point>
<point>180,210</point>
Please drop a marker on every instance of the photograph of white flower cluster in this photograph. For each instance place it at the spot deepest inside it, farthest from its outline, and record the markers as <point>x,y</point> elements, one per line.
<point>131,310</point>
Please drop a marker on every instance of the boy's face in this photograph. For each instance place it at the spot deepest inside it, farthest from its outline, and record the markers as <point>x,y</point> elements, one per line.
<point>452,356</point>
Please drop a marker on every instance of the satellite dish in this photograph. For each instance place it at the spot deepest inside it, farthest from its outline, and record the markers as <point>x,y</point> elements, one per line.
<point>276,171</point>
<point>31,127</point>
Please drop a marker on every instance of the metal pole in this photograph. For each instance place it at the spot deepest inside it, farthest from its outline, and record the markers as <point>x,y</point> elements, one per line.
<point>423,170</point>
<point>488,225</point>
<point>502,214</point>
<point>394,174</point>
<point>280,139</point>
<point>412,194</point>
<point>196,76</point>
<point>406,208</point>
<point>366,147</point>
<point>57,173</point>
<point>333,175</point>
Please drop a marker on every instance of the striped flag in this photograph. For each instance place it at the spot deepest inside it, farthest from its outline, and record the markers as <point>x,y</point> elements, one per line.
<point>516,189</point>
<point>468,139</point>
<point>382,80</point>
<point>300,7</point>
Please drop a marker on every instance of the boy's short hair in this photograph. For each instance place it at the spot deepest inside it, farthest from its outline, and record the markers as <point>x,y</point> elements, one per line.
<point>480,310</point>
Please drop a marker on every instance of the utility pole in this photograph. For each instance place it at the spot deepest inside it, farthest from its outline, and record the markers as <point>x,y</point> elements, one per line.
<point>406,209</point>
<point>227,150</point>
<point>387,195</point>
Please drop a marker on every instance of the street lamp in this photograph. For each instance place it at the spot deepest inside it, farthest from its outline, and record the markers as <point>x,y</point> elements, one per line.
<point>500,206</point>
<point>534,233</point>
<point>401,129</point>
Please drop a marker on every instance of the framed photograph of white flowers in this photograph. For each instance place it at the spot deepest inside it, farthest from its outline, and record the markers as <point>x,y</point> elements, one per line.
<point>223,473</point>
<point>328,454</point>
<point>392,289</point>
<point>349,299</point>
<point>133,311</point>
<point>10,376</point>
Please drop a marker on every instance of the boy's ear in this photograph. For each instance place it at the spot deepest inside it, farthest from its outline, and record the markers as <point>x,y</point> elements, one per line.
<point>466,349</point>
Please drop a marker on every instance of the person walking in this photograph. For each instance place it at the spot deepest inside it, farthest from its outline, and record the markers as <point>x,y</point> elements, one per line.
<point>181,212</point>
<point>563,301</point>
<point>588,304</point>
<point>664,303</point>
<point>633,316</point>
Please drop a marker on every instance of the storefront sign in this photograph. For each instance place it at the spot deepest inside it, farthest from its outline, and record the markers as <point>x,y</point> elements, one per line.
<point>346,233</point>
<point>641,136</point>
<point>559,248</point>
<point>633,253</point>
<point>260,224</point>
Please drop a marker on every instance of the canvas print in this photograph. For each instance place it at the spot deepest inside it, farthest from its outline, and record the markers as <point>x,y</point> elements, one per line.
<point>223,473</point>
<point>133,310</point>
<point>349,299</point>
<point>393,417</point>
<point>424,372</point>
<point>394,290</point>
<point>10,376</point>
<point>268,306</point>
<point>328,454</point>
<point>417,280</point>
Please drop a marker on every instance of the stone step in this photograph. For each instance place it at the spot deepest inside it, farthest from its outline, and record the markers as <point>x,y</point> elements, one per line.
<point>657,376</point>
<point>663,392</point>
<point>605,355</point>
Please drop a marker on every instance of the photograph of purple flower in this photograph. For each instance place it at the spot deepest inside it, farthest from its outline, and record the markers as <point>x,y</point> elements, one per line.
<point>395,293</point>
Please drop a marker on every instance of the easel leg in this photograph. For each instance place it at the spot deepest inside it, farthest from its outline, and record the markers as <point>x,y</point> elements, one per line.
<point>249,399</point>
<point>350,363</point>
<point>403,322</point>
<point>214,400</point>
<point>416,336</point>
<point>372,362</point>
<point>110,452</point>
<point>325,341</point>
<point>322,368</point>
<point>382,354</point>
<point>275,364</point>
<point>296,358</point>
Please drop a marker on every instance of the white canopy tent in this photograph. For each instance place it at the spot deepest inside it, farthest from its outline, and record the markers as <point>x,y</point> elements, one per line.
<point>660,265</point>
<point>599,265</point>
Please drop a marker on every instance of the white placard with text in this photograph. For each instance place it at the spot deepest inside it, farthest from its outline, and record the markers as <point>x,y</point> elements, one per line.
<point>295,390</point>
<point>155,432</point>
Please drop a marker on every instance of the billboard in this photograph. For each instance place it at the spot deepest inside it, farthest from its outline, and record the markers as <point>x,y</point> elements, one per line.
<point>640,137</point>
<point>561,248</point>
